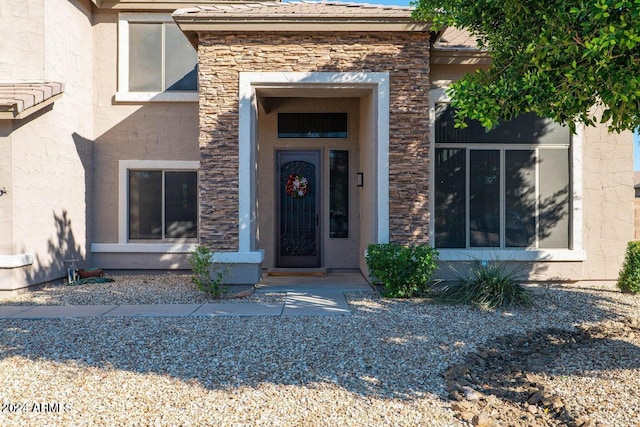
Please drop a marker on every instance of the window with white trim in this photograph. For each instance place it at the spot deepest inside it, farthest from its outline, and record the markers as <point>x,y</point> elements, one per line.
<point>156,61</point>
<point>508,188</point>
<point>162,204</point>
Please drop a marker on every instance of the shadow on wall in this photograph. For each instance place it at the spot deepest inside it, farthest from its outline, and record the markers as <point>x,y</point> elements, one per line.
<point>64,246</point>
<point>60,248</point>
<point>85,148</point>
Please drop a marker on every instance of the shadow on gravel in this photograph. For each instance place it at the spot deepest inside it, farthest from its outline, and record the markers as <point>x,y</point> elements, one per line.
<point>506,376</point>
<point>385,349</point>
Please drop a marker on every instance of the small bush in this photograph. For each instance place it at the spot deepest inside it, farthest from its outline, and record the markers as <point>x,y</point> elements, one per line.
<point>488,287</point>
<point>403,271</point>
<point>208,275</point>
<point>629,278</point>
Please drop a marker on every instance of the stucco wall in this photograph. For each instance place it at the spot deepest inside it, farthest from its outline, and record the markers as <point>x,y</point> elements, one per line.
<point>22,49</point>
<point>50,159</point>
<point>608,201</point>
<point>6,184</point>
<point>404,56</point>
<point>128,131</point>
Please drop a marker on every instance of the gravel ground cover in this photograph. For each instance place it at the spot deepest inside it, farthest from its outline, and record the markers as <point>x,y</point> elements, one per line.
<point>134,289</point>
<point>390,363</point>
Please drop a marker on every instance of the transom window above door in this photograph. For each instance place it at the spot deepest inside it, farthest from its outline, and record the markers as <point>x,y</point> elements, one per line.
<point>312,125</point>
<point>156,61</point>
<point>506,188</point>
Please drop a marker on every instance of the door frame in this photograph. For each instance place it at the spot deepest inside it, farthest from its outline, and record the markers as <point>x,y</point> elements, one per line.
<point>315,156</point>
<point>373,90</point>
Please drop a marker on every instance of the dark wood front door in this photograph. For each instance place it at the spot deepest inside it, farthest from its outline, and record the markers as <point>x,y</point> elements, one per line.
<point>298,208</point>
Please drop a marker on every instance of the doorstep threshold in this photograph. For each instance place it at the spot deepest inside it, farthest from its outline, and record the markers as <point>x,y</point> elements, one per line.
<point>297,272</point>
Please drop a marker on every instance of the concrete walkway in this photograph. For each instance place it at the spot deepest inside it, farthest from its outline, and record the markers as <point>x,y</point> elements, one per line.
<point>305,296</point>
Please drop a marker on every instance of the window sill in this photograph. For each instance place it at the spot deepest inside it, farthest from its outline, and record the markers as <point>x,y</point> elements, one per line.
<point>550,255</point>
<point>169,248</point>
<point>137,97</point>
<point>253,257</point>
<point>16,261</point>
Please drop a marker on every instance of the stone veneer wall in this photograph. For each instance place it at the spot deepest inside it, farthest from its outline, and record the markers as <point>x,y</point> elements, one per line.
<point>404,55</point>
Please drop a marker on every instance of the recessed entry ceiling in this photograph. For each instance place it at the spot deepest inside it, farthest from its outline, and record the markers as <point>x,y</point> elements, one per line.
<point>312,92</point>
<point>272,97</point>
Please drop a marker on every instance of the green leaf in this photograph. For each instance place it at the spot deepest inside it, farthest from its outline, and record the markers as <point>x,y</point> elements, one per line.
<point>558,59</point>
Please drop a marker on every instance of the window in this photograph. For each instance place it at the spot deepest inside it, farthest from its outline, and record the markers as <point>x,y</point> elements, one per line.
<point>312,125</point>
<point>508,188</point>
<point>162,204</point>
<point>339,194</point>
<point>156,60</point>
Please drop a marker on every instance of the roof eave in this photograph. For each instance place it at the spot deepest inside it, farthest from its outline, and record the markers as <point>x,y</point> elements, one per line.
<point>285,24</point>
<point>156,5</point>
<point>459,56</point>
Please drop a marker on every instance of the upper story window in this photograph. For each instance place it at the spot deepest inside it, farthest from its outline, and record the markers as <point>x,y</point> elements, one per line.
<point>156,61</point>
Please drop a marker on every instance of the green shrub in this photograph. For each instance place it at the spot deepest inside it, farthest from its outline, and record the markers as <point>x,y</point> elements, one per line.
<point>489,286</point>
<point>629,278</point>
<point>403,271</point>
<point>208,275</point>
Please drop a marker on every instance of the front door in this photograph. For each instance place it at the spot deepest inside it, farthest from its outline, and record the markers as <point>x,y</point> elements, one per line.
<point>298,208</point>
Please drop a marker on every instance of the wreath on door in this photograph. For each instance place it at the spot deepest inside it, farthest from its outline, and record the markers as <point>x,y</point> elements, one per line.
<point>297,186</point>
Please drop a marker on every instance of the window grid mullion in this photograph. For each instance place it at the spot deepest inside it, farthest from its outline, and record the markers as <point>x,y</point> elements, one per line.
<point>467,196</point>
<point>163,56</point>
<point>163,193</point>
<point>537,196</point>
<point>502,199</point>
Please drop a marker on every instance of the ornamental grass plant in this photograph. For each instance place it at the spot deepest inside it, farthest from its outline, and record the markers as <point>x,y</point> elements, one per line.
<point>487,286</point>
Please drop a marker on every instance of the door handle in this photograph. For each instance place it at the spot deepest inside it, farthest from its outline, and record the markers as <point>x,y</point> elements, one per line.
<point>317,220</point>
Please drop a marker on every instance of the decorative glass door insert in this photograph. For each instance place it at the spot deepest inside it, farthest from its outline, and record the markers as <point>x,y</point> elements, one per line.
<point>298,213</point>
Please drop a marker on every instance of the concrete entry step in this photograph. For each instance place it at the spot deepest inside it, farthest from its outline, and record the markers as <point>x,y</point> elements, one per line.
<point>350,281</point>
<point>297,272</point>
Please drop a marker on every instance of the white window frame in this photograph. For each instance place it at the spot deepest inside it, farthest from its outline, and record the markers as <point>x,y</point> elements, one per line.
<point>575,251</point>
<point>123,190</point>
<point>123,94</point>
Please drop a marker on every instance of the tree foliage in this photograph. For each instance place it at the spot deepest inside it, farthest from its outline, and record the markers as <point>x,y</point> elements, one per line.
<point>557,58</point>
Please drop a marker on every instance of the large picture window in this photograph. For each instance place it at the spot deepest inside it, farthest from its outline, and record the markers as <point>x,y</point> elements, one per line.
<point>507,188</point>
<point>156,61</point>
<point>162,204</point>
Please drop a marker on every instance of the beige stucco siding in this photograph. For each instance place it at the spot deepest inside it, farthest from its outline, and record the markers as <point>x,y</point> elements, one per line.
<point>608,201</point>
<point>22,49</point>
<point>50,150</point>
<point>129,131</point>
<point>607,209</point>
<point>6,185</point>
<point>403,55</point>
